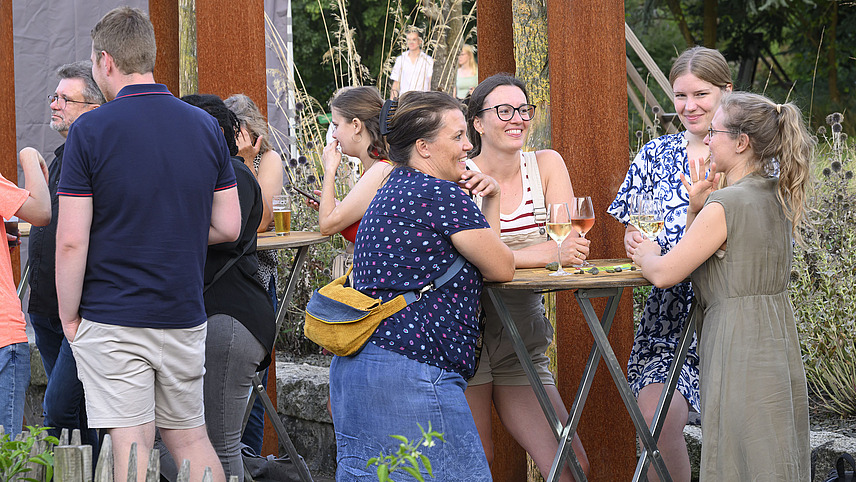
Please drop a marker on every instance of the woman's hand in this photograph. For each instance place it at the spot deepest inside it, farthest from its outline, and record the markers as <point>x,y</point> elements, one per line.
<point>632,238</point>
<point>643,249</point>
<point>314,205</point>
<point>479,184</point>
<point>575,250</point>
<point>700,185</point>
<point>331,157</point>
<point>248,149</point>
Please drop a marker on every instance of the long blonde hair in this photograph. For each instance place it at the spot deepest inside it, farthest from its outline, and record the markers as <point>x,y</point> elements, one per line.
<point>471,63</point>
<point>780,141</point>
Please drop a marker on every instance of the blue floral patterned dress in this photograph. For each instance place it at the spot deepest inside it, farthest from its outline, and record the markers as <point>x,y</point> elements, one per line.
<point>657,169</point>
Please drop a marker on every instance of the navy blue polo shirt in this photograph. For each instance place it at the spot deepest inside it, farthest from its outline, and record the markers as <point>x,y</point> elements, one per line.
<point>151,164</point>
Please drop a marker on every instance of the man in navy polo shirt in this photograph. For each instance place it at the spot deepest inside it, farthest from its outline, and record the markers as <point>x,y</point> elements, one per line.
<point>146,185</point>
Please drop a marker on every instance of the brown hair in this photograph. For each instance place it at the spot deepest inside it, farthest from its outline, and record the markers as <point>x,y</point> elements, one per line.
<point>128,36</point>
<point>250,117</point>
<point>476,104</point>
<point>419,115</point>
<point>363,103</point>
<point>779,139</point>
<point>707,64</point>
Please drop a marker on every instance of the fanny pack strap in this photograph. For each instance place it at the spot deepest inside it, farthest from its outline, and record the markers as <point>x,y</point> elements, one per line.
<point>412,296</point>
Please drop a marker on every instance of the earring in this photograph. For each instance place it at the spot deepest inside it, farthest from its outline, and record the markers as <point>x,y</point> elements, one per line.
<point>357,140</point>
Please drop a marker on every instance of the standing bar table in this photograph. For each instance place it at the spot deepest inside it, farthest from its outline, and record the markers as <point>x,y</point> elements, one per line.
<point>586,287</point>
<point>301,241</point>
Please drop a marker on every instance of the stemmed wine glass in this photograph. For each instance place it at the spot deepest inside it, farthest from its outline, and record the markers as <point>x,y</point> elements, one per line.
<point>582,218</point>
<point>558,227</point>
<point>647,215</point>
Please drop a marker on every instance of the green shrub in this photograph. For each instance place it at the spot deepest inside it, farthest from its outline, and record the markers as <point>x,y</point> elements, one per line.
<point>823,280</point>
<point>15,455</point>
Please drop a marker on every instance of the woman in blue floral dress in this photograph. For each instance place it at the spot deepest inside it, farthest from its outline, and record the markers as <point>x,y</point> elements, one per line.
<point>699,78</point>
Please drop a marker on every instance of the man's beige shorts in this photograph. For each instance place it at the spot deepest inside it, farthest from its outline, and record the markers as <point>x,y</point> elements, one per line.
<point>133,376</point>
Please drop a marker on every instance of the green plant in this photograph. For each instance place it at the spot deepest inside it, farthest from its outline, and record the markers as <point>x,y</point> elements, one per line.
<point>407,457</point>
<point>822,288</point>
<point>16,455</point>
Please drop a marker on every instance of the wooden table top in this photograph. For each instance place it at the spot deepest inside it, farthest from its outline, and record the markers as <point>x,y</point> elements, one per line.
<point>539,279</point>
<point>294,239</point>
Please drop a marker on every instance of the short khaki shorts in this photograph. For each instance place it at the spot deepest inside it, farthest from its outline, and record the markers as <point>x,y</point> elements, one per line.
<point>134,376</point>
<point>498,363</point>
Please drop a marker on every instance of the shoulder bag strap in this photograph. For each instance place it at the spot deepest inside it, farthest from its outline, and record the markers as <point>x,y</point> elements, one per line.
<point>534,175</point>
<point>226,267</point>
<point>412,296</point>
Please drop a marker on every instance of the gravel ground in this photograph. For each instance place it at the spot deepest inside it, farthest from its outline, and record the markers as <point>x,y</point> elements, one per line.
<point>828,421</point>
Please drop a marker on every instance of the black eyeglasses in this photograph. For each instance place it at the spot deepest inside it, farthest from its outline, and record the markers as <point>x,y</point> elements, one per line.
<point>505,112</point>
<point>711,131</point>
<point>61,101</point>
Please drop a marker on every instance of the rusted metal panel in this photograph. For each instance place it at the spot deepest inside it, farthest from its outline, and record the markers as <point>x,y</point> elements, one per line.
<point>8,153</point>
<point>496,39</point>
<point>164,17</point>
<point>588,96</point>
<point>230,47</point>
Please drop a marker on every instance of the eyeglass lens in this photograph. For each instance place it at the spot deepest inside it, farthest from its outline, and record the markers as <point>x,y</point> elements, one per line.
<point>506,112</point>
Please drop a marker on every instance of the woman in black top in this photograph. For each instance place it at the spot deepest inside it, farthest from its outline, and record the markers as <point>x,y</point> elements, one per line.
<point>241,326</point>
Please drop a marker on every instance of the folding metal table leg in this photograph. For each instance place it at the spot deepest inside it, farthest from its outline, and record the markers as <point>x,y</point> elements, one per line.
<point>617,374</point>
<point>566,437</point>
<point>281,433</point>
<point>291,285</point>
<point>668,392</point>
<point>532,375</point>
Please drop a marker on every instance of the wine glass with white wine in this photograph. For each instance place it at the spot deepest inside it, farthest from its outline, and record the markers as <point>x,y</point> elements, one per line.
<point>647,215</point>
<point>558,228</point>
<point>582,219</point>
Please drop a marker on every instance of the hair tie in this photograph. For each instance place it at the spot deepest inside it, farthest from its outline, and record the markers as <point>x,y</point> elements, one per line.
<point>778,108</point>
<point>386,114</point>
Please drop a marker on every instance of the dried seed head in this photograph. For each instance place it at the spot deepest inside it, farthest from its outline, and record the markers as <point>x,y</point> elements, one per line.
<point>836,127</point>
<point>836,166</point>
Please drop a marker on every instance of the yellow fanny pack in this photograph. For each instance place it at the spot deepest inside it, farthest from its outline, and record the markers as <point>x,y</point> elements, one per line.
<point>341,319</point>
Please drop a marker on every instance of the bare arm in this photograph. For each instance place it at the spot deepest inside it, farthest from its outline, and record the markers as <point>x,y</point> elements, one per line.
<point>707,234</point>
<point>556,183</point>
<point>37,207</point>
<point>396,85</point>
<point>72,248</point>
<point>270,180</point>
<point>333,217</point>
<point>225,217</point>
<point>482,247</point>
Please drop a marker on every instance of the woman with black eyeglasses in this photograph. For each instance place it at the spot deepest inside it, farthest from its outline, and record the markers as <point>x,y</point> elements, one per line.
<point>498,121</point>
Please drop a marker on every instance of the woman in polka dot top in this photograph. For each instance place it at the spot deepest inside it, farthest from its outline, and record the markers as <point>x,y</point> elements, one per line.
<point>413,370</point>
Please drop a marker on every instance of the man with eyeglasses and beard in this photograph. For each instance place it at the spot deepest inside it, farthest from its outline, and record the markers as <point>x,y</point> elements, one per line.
<point>76,94</point>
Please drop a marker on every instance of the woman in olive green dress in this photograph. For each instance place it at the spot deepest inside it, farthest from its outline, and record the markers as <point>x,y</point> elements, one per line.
<point>738,248</point>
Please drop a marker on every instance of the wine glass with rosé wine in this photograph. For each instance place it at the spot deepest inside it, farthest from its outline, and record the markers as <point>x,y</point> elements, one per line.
<point>582,218</point>
<point>558,228</point>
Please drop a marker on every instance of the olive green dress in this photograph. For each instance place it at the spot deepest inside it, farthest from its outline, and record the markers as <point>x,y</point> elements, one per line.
<point>754,400</point>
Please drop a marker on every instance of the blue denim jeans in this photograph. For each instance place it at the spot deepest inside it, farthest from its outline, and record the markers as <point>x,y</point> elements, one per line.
<point>378,393</point>
<point>14,379</point>
<point>64,404</point>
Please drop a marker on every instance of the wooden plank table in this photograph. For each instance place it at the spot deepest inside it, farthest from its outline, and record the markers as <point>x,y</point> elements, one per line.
<point>587,286</point>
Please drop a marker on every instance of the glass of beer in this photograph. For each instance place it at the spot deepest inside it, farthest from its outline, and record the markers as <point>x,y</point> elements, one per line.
<point>282,214</point>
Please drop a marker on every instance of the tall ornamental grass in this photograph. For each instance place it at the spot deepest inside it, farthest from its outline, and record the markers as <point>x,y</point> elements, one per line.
<point>823,280</point>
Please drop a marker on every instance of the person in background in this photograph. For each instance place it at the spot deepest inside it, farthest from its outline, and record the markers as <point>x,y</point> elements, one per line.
<point>413,370</point>
<point>468,72</point>
<point>738,248</point>
<point>33,205</point>
<point>700,77</point>
<point>255,149</point>
<point>356,133</point>
<point>498,121</point>
<point>413,69</point>
<point>241,327</point>
<point>64,404</point>
<point>147,184</point>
